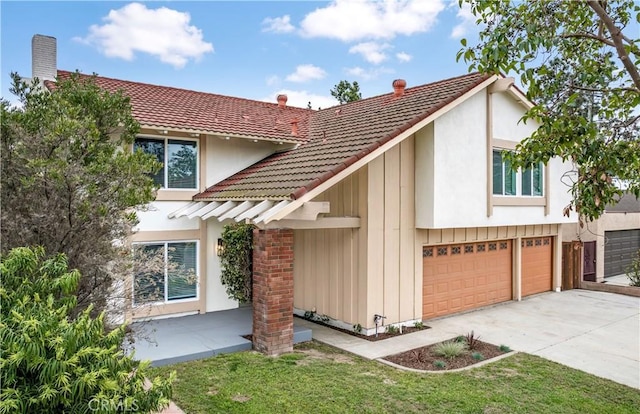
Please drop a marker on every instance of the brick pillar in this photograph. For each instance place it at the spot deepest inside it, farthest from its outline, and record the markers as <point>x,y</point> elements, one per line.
<point>273,291</point>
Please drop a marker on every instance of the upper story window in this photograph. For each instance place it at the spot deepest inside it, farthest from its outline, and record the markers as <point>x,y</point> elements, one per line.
<point>179,158</point>
<point>504,178</point>
<point>532,181</point>
<point>515,183</point>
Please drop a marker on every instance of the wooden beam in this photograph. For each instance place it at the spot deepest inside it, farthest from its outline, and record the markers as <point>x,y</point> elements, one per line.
<point>309,211</point>
<point>321,223</point>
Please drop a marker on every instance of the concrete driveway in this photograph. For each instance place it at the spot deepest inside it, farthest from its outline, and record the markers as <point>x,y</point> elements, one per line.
<point>596,332</point>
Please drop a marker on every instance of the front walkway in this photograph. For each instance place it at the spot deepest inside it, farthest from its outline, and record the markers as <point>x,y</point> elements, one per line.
<point>596,332</point>
<point>185,338</point>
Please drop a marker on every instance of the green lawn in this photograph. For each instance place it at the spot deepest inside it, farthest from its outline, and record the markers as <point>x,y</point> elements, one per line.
<point>320,379</point>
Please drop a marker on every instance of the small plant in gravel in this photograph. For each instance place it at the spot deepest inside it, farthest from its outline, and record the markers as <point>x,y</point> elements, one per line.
<point>418,355</point>
<point>505,348</point>
<point>460,338</point>
<point>357,328</point>
<point>477,356</point>
<point>392,329</point>
<point>450,349</point>
<point>439,364</point>
<point>472,341</point>
<point>418,325</point>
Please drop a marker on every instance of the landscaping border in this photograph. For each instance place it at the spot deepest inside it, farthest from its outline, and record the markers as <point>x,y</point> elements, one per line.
<point>444,371</point>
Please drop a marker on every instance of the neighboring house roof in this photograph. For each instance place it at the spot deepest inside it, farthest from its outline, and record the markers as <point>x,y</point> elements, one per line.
<point>180,109</point>
<point>628,203</point>
<point>338,137</point>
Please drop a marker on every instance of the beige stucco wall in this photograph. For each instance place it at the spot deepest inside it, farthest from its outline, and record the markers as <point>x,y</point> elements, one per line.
<point>595,231</point>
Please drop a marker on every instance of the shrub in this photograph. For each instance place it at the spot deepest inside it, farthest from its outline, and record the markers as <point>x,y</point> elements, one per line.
<point>418,325</point>
<point>236,261</point>
<point>392,329</point>
<point>472,341</point>
<point>505,348</point>
<point>52,363</point>
<point>477,356</point>
<point>633,271</point>
<point>439,364</point>
<point>450,349</point>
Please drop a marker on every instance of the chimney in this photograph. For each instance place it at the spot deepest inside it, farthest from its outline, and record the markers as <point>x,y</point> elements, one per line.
<point>294,127</point>
<point>398,87</point>
<point>282,100</point>
<point>44,57</point>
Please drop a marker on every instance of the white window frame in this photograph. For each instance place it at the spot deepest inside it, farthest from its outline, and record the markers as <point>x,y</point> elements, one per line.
<point>518,177</point>
<point>166,155</point>
<point>166,300</point>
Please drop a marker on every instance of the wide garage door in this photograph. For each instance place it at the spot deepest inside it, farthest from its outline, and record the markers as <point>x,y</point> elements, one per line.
<point>537,265</point>
<point>619,250</point>
<point>465,276</point>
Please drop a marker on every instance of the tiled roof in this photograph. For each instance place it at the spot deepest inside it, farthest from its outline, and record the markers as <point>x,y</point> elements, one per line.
<point>173,108</point>
<point>338,137</point>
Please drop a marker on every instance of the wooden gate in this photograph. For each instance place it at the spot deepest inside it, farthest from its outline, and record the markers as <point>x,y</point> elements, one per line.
<point>571,264</point>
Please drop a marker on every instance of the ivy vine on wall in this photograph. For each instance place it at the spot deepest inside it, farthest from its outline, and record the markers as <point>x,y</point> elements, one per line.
<point>236,260</point>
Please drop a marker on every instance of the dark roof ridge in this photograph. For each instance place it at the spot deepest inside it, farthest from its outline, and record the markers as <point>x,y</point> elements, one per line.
<point>423,85</point>
<point>186,90</point>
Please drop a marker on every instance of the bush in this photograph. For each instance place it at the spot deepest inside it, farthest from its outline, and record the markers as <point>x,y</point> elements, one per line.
<point>236,261</point>
<point>450,349</point>
<point>472,341</point>
<point>52,363</point>
<point>633,271</point>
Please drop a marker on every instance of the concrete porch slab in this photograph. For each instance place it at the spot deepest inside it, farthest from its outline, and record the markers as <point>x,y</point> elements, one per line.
<point>186,338</point>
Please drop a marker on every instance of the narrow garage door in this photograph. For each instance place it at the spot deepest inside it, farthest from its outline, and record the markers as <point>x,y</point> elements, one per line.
<point>619,249</point>
<point>537,265</point>
<point>465,276</point>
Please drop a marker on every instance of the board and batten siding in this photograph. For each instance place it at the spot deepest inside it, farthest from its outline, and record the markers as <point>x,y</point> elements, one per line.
<point>330,275</point>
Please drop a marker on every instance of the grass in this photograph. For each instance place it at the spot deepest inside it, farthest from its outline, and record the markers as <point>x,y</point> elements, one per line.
<point>320,379</point>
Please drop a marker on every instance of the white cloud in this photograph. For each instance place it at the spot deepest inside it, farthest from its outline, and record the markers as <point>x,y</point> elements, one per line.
<point>161,32</point>
<point>404,57</point>
<point>301,99</point>
<point>348,20</point>
<point>278,24</point>
<point>306,73</point>
<point>467,21</point>
<point>372,52</point>
<point>273,80</point>
<point>367,74</point>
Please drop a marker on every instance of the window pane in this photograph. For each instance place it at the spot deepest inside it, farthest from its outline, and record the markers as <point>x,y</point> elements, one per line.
<point>497,172</point>
<point>182,164</point>
<point>537,179</point>
<point>148,285</point>
<point>182,277</point>
<point>526,182</point>
<point>509,179</point>
<point>153,147</point>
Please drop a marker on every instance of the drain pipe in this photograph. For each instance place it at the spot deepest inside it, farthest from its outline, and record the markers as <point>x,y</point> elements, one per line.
<point>378,320</point>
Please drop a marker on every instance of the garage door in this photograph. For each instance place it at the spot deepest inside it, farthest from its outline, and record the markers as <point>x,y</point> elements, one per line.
<point>619,249</point>
<point>465,276</point>
<point>537,265</point>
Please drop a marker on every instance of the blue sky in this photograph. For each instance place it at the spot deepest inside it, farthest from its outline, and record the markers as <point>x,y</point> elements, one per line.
<point>253,50</point>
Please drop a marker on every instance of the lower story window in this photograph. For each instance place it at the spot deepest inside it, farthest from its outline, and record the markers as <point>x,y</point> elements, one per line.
<point>165,272</point>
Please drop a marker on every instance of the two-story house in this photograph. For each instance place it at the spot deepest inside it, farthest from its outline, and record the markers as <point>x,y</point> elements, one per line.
<point>398,205</point>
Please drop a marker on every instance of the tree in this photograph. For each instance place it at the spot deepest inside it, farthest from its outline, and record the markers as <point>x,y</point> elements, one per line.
<point>579,65</point>
<point>345,92</point>
<point>70,183</point>
<point>51,363</point>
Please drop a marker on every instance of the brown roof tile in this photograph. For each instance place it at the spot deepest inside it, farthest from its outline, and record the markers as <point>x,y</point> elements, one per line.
<point>338,137</point>
<point>173,108</point>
